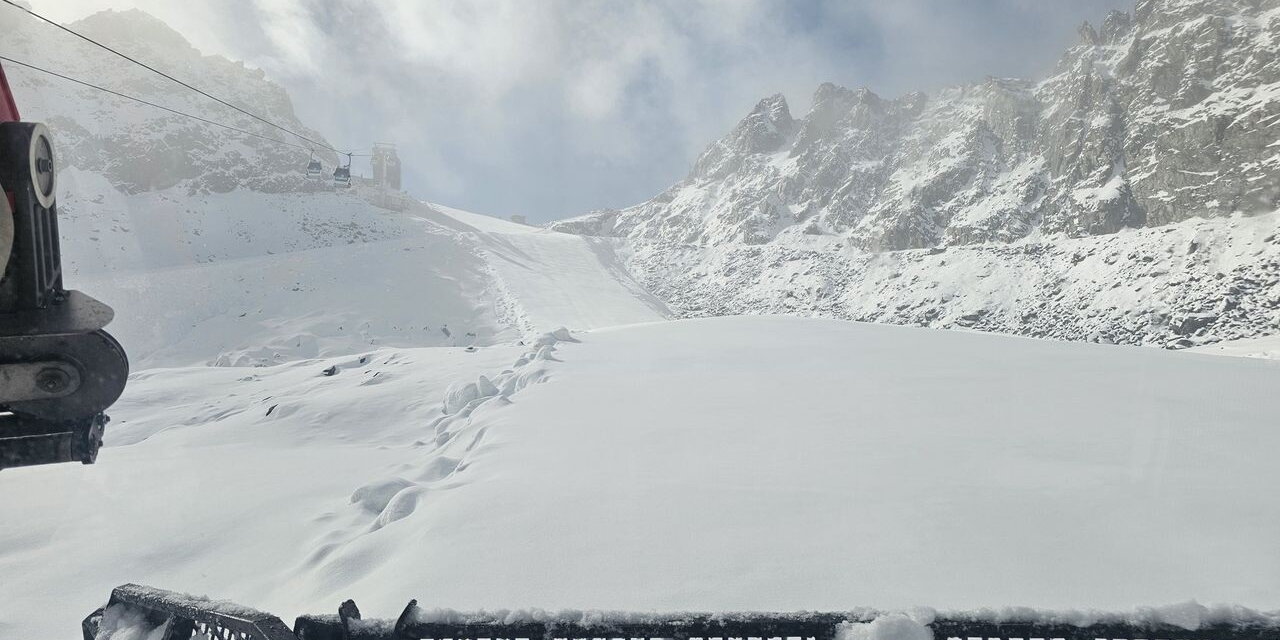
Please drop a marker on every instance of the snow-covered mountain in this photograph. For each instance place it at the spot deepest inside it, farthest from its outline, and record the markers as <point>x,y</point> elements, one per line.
<point>1164,117</point>
<point>141,148</point>
<point>1161,115</point>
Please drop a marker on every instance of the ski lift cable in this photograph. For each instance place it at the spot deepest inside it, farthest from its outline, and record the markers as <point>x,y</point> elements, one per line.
<point>165,75</point>
<point>152,104</point>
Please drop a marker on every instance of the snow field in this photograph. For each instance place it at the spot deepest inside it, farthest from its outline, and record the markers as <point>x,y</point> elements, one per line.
<point>1255,348</point>
<point>660,469</point>
<point>250,279</point>
<point>872,466</point>
<point>218,480</point>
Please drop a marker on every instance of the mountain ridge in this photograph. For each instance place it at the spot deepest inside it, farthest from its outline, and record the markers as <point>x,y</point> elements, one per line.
<point>1127,197</point>
<point>1161,114</point>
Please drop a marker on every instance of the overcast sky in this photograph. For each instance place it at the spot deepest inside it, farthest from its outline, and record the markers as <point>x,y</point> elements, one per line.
<point>552,108</point>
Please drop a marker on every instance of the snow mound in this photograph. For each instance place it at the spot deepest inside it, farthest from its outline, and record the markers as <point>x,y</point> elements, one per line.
<point>375,496</point>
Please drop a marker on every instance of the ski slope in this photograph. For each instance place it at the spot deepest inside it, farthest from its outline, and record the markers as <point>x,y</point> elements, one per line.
<point>548,279</point>
<point>730,463</point>
<point>246,278</point>
<point>552,279</point>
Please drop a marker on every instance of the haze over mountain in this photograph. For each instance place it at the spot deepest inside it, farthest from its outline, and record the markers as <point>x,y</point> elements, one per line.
<point>614,98</point>
<point>1157,117</point>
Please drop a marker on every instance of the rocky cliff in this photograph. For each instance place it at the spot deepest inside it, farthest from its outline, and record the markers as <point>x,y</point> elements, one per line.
<point>1159,115</point>
<point>1117,200</point>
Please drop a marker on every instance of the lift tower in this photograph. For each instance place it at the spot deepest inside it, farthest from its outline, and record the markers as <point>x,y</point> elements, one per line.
<point>386,166</point>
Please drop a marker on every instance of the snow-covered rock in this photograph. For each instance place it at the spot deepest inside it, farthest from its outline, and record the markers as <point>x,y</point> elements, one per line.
<point>1181,285</point>
<point>1165,120</point>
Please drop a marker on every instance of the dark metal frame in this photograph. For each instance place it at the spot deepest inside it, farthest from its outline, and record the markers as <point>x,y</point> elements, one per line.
<point>187,616</point>
<point>58,370</point>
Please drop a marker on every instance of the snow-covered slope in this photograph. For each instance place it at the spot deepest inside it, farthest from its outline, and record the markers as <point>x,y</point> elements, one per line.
<point>710,464</point>
<point>249,278</point>
<point>214,248</point>
<point>1249,348</point>
<point>1180,285</point>
<point>254,278</point>
<point>544,280</point>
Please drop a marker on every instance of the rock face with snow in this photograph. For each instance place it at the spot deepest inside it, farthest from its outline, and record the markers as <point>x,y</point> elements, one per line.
<point>141,148</point>
<point>1161,124</point>
<point>1182,285</point>
<point>1162,114</point>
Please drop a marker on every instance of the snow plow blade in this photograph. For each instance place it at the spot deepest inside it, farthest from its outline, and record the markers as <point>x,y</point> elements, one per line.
<point>138,611</point>
<point>134,608</point>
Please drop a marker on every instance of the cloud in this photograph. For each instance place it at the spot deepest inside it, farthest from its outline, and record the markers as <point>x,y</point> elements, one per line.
<point>554,107</point>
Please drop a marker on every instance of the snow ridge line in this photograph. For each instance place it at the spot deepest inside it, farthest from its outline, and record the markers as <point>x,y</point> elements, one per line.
<point>454,436</point>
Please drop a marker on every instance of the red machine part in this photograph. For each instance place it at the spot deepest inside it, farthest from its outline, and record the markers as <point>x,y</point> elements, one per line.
<point>8,113</point>
<point>8,108</point>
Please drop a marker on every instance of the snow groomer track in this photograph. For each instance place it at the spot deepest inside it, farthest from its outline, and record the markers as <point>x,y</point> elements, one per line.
<point>139,611</point>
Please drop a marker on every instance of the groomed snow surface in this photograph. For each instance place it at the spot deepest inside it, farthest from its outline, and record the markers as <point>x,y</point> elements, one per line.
<point>732,463</point>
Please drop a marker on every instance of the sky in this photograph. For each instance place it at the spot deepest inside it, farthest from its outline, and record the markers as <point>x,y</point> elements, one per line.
<point>553,108</point>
